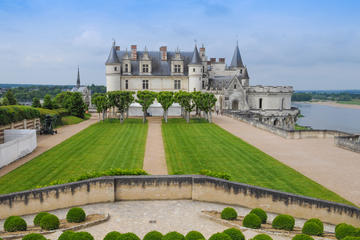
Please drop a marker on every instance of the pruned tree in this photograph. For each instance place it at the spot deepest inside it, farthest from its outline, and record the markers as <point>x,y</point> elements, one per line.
<point>197,101</point>
<point>178,99</point>
<point>101,102</point>
<point>145,99</point>
<point>166,99</point>
<point>185,101</point>
<point>122,100</point>
<point>208,101</point>
<point>112,96</point>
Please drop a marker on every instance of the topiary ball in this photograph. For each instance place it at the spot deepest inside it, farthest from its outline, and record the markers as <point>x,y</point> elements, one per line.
<point>153,235</point>
<point>229,213</point>
<point>340,224</point>
<point>252,221</point>
<point>67,235</point>
<point>344,230</point>
<point>14,224</point>
<point>82,236</point>
<point>129,236</point>
<point>261,214</point>
<point>194,235</point>
<point>283,221</point>
<point>318,222</point>
<point>76,215</point>
<point>312,228</point>
<point>173,236</point>
<point>262,237</point>
<point>220,236</point>
<point>114,235</point>
<point>34,236</point>
<point>302,237</point>
<point>49,222</point>
<point>38,218</point>
<point>234,233</point>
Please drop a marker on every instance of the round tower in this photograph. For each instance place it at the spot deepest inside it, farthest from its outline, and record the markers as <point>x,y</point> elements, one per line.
<point>113,70</point>
<point>195,72</point>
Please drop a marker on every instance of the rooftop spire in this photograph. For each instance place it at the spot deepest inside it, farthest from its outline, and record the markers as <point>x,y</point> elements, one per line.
<point>195,59</point>
<point>78,78</point>
<point>113,58</point>
<point>236,59</point>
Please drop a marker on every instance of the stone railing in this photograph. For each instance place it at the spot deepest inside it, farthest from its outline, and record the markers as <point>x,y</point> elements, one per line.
<point>24,124</point>
<point>191,187</point>
<point>349,142</point>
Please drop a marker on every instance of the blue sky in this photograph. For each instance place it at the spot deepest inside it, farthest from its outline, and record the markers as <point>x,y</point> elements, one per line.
<point>306,44</point>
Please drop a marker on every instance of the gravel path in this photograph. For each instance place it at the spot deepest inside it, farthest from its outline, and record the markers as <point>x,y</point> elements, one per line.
<point>319,159</point>
<point>45,142</point>
<point>154,160</point>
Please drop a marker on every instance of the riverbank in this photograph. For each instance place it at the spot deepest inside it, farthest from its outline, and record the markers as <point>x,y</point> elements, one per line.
<point>335,104</point>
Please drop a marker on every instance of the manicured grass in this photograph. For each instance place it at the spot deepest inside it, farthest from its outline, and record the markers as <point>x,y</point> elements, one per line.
<point>101,146</point>
<point>69,120</point>
<point>299,127</point>
<point>199,145</point>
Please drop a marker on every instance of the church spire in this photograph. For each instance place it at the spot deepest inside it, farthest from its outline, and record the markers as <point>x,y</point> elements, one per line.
<point>78,78</point>
<point>236,61</point>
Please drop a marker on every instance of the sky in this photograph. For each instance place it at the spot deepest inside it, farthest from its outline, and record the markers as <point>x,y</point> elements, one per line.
<point>302,43</point>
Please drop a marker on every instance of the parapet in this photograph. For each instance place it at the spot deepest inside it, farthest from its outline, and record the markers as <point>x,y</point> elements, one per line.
<point>270,89</point>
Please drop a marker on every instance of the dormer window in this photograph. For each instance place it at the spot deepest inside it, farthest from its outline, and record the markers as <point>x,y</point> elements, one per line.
<point>145,68</point>
<point>177,68</point>
<point>234,86</point>
<point>126,68</point>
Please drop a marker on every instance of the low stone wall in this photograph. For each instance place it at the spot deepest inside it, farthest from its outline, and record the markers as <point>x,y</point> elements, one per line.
<point>192,187</point>
<point>349,142</point>
<point>24,124</point>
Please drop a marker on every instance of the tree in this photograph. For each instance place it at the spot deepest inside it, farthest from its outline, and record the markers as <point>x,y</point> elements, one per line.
<point>185,101</point>
<point>36,103</point>
<point>77,106</point>
<point>122,100</point>
<point>208,101</point>
<point>47,102</point>
<point>5,101</point>
<point>112,96</point>
<point>166,99</point>
<point>10,97</point>
<point>101,102</point>
<point>63,99</point>
<point>197,100</point>
<point>145,99</point>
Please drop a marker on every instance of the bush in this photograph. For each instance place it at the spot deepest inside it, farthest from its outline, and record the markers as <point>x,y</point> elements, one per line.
<point>357,232</point>
<point>194,235</point>
<point>76,215</point>
<point>252,221</point>
<point>210,173</point>
<point>343,230</point>
<point>38,218</point>
<point>128,236</point>
<point>34,236</point>
<point>302,237</point>
<point>261,214</point>
<point>15,113</point>
<point>234,233</point>
<point>153,235</point>
<point>312,228</point>
<point>228,213</point>
<point>67,235</point>
<point>351,238</point>
<point>262,237</point>
<point>173,236</point>
<point>114,235</point>
<point>49,222</point>
<point>318,222</point>
<point>220,236</point>
<point>284,221</point>
<point>82,236</point>
<point>15,223</point>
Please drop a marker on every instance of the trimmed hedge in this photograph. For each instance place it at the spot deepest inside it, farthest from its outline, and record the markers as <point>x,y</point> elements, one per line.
<point>34,236</point>
<point>211,173</point>
<point>229,213</point>
<point>114,235</point>
<point>220,236</point>
<point>76,215</point>
<point>67,235</point>
<point>252,221</point>
<point>38,218</point>
<point>351,238</point>
<point>261,214</point>
<point>343,230</point>
<point>129,236</point>
<point>14,224</point>
<point>234,233</point>
<point>318,222</point>
<point>153,235</point>
<point>173,236</point>
<point>194,235</point>
<point>262,237</point>
<point>312,228</point>
<point>49,222</point>
<point>283,221</point>
<point>15,113</point>
<point>302,237</point>
<point>82,236</point>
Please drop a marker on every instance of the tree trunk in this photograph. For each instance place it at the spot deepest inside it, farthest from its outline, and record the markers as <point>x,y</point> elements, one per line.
<point>144,118</point>
<point>127,113</point>
<point>187,117</point>
<point>121,117</point>
<point>104,115</point>
<point>99,117</point>
<point>210,118</point>
<point>166,116</point>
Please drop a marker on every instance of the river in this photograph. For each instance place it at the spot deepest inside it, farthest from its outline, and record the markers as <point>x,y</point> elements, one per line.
<point>329,117</point>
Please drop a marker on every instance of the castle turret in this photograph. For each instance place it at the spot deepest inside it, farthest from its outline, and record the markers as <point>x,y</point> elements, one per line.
<point>195,72</point>
<point>113,70</point>
<point>236,61</point>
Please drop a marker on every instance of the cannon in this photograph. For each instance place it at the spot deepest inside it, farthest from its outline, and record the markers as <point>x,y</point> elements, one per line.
<point>48,125</point>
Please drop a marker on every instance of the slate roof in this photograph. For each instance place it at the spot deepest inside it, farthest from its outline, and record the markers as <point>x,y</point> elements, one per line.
<point>195,59</point>
<point>113,57</point>
<point>236,59</point>
<point>246,75</point>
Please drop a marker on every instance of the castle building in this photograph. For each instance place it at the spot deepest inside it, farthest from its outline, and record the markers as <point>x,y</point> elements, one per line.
<point>85,91</point>
<point>165,70</point>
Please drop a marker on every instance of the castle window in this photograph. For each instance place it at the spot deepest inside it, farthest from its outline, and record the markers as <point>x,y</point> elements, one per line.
<point>234,86</point>
<point>115,69</point>
<point>177,84</point>
<point>177,68</point>
<point>260,103</point>
<point>203,69</point>
<point>145,84</point>
<point>145,68</point>
<point>203,84</point>
<point>241,71</point>
<point>126,68</point>
<point>193,69</point>
<point>126,84</point>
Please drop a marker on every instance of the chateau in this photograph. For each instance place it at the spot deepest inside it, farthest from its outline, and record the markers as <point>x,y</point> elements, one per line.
<point>165,70</point>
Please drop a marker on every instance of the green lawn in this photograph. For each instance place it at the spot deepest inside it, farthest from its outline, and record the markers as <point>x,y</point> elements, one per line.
<point>69,120</point>
<point>99,147</point>
<point>200,145</point>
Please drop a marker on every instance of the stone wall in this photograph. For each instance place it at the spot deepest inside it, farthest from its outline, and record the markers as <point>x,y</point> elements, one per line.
<point>349,142</point>
<point>192,187</point>
<point>24,124</point>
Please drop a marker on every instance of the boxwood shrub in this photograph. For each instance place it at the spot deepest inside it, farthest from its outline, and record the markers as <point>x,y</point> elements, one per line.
<point>312,228</point>
<point>38,218</point>
<point>261,213</point>
<point>252,221</point>
<point>129,236</point>
<point>220,236</point>
<point>211,173</point>
<point>194,235</point>
<point>153,235</point>
<point>229,213</point>
<point>15,113</point>
<point>76,215</point>
<point>14,224</point>
<point>262,237</point>
<point>114,235</point>
<point>283,221</point>
<point>302,237</point>
<point>234,233</point>
<point>343,230</point>
<point>67,235</point>
<point>82,236</point>
<point>173,236</point>
<point>49,222</point>
<point>351,238</point>
<point>34,236</point>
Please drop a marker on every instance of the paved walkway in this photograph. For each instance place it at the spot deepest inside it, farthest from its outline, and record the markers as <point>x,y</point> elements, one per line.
<point>45,142</point>
<point>154,161</point>
<point>319,159</point>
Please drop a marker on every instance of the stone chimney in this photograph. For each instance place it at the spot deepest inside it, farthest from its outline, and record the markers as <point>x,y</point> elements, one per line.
<point>163,51</point>
<point>133,52</point>
<point>212,60</point>
<point>117,48</point>
<point>202,53</point>
<point>221,60</point>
